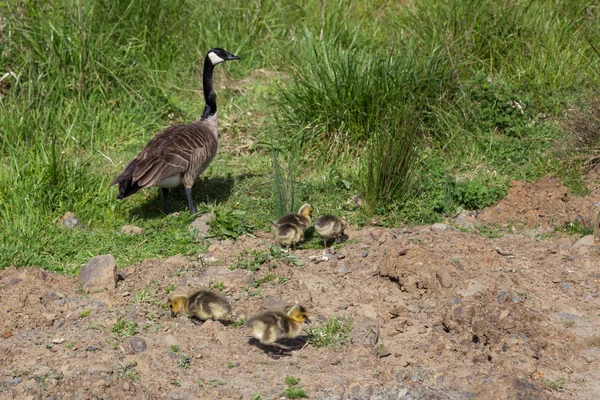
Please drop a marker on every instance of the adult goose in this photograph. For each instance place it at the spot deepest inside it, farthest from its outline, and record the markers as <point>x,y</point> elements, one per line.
<point>180,153</point>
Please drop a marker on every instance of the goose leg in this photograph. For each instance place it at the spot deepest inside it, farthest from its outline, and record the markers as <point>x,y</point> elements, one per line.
<point>165,193</point>
<point>191,205</point>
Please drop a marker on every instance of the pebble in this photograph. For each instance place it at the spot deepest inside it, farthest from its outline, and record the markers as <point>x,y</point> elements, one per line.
<point>132,230</point>
<point>365,253</point>
<point>137,345</point>
<point>439,227</point>
<point>342,271</point>
<point>342,306</point>
<point>170,340</point>
<point>58,340</point>
<point>91,348</point>
<point>413,308</point>
<point>587,240</point>
<point>341,256</point>
<point>125,386</point>
<point>69,221</point>
<point>504,314</point>
<point>444,278</point>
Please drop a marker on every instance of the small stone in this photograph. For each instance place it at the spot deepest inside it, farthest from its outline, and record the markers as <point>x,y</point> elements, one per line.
<point>91,348</point>
<point>99,273</point>
<point>6,334</point>
<point>126,294</point>
<point>132,230</point>
<point>443,278</point>
<point>58,340</point>
<point>68,221</point>
<point>341,256</point>
<point>342,271</point>
<point>135,345</point>
<point>272,303</point>
<point>365,253</point>
<point>201,226</point>
<point>439,227</point>
<point>170,340</point>
<point>236,296</point>
<point>413,308</point>
<point>343,306</point>
<point>504,314</point>
<point>587,240</point>
<point>125,386</point>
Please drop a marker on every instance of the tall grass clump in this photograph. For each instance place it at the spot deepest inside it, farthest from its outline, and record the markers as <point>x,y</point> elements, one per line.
<point>355,103</point>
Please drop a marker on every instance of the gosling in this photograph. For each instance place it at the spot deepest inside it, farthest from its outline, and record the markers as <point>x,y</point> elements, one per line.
<point>330,226</point>
<point>201,304</point>
<point>302,219</point>
<point>288,235</point>
<point>271,326</point>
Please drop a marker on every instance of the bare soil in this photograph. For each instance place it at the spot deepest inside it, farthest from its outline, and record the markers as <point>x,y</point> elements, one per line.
<point>438,312</point>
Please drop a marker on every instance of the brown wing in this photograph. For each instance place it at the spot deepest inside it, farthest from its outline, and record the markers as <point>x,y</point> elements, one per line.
<point>178,149</point>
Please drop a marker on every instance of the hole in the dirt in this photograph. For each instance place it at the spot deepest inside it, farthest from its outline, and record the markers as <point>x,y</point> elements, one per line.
<point>445,328</point>
<point>489,358</point>
<point>475,339</point>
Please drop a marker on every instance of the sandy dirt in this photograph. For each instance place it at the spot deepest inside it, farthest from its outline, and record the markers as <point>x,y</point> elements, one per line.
<point>438,312</point>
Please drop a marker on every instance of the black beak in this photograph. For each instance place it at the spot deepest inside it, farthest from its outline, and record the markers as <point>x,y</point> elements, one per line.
<point>173,314</point>
<point>308,321</point>
<point>232,57</point>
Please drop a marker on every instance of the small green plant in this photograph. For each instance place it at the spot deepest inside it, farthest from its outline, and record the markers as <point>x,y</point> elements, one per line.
<point>228,223</point>
<point>252,293</point>
<point>283,279</point>
<point>124,328</point>
<point>220,286</point>
<point>176,383</point>
<point>146,294</point>
<point>558,384</point>
<point>229,364</point>
<point>175,348</point>
<point>69,345</point>
<point>239,322</point>
<point>84,313</point>
<point>169,289</point>
<point>576,228</point>
<point>295,392</point>
<point>291,381</point>
<point>184,361</point>
<point>215,382</point>
<point>48,346</point>
<point>128,372</point>
<point>256,397</point>
<point>335,332</point>
<point>267,278</point>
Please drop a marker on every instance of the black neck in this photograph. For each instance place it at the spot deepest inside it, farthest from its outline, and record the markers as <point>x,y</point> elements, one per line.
<point>210,97</point>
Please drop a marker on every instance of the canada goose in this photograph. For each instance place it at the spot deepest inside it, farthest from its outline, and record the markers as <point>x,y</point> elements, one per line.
<point>202,304</point>
<point>302,219</point>
<point>330,226</point>
<point>288,235</point>
<point>180,153</point>
<point>271,326</point>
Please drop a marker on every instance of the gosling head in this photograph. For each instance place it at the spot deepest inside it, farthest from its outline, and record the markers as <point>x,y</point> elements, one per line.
<point>218,55</point>
<point>176,304</point>
<point>306,210</point>
<point>298,314</point>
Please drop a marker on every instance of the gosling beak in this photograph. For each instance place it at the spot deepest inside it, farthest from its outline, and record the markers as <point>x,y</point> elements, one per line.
<point>308,321</point>
<point>173,315</point>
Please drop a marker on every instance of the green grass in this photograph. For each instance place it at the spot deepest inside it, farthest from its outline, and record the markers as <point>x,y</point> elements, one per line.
<point>335,333</point>
<point>422,107</point>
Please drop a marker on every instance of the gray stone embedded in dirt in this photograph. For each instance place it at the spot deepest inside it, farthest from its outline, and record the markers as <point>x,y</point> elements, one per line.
<point>235,278</point>
<point>69,221</point>
<point>99,273</point>
<point>587,240</point>
<point>134,345</point>
<point>272,303</point>
<point>170,340</point>
<point>444,278</point>
<point>132,230</point>
<point>201,226</point>
<point>439,227</point>
<point>365,331</point>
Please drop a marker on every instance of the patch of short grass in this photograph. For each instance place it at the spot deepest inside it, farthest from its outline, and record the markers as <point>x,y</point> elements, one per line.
<point>334,333</point>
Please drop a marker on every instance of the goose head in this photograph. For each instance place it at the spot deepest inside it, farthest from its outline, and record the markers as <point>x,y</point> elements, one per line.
<point>219,55</point>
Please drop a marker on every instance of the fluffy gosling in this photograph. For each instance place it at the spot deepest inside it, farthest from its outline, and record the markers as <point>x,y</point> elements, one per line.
<point>330,226</point>
<point>288,235</point>
<point>271,326</point>
<point>201,304</point>
<point>302,219</point>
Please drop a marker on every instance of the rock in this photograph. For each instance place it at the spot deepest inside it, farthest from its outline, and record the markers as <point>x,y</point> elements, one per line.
<point>134,345</point>
<point>58,340</point>
<point>201,226</point>
<point>272,303</point>
<point>99,273</point>
<point>365,331</point>
<point>443,278</point>
<point>439,227</point>
<point>6,334</point>
<point>68,221</point>
<point>413,308</point>
<point>91,348</point>
<point>170,340</point>
<point>587,240</point>
<point>472,289</point>
<point>504,314</point>
<point>343,306</point>
<point>365,253</point>
<point>235,278</point>
<point>132,230</point>
<point>176,262</point>
<point>342,271</point>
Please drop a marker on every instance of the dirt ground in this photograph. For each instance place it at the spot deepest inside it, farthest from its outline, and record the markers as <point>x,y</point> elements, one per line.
<point>438,312</point>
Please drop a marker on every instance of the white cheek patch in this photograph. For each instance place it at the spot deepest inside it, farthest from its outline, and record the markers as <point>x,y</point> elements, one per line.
<point>214,58</point>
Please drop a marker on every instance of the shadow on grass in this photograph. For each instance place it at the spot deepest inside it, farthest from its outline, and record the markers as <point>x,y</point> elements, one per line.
<point>213,190</point>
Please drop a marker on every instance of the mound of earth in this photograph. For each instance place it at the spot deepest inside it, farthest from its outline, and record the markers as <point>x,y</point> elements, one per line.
<point>436,313</point>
